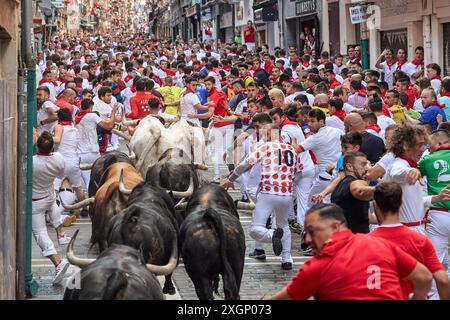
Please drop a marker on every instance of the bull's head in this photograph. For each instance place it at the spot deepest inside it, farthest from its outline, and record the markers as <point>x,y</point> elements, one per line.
<point>74,260</point>
<point>185,194</point>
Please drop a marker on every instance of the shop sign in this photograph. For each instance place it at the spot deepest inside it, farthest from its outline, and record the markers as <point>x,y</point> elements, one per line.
<point>305,7</point>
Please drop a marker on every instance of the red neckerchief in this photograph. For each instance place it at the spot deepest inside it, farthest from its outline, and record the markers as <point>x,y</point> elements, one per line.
<point>128,78</point>
<point>373,127</point>
<point>286,121</point>
<point>436,103</point>
<point>306,64</point>
<point>47,154</point>
<point>133,89</point>
<point>361,93</point>
<point>436,78</point>
<point>340,114</point>
<point>400,64</point>
<point>443,148</point>
<point>81,115</point>
<point>245,76</point>
<point>187,91</point>
<point>65,123</point>
<point>417,63</point>
<point>411,163</point>
<point>61,80</point>
<point>390,64</point>
<point>447,94</point>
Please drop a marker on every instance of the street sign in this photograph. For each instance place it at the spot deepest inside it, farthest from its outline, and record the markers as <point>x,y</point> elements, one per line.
<point>358,14</point>
<point>304,7</point>
<point>58,4</point>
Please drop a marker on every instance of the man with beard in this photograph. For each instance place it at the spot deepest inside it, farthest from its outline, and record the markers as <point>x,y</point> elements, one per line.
<point>353,193</point>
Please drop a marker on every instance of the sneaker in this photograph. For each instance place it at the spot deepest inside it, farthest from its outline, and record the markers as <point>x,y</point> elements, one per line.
<point>276,241</point>
<point>63,239</point>
<point>60,271</point>
<point>307,251</point>
<point>286,266</point>
<point>296,227</point>
<point>69,220</point>
<point>258,254</point>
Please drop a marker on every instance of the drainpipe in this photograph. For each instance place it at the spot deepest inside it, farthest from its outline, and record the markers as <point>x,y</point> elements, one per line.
<point>428,54</point>
<point>27,121</point>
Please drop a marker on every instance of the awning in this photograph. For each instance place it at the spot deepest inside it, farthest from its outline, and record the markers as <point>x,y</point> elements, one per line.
<point>263,4</point>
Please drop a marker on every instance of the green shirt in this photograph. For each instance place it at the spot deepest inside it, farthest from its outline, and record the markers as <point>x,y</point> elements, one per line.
<point>436,167</point>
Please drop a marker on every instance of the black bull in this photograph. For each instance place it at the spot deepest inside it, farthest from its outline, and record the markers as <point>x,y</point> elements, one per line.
<point>119,273</point>
<point>213,243</point>
<point>149,224</point>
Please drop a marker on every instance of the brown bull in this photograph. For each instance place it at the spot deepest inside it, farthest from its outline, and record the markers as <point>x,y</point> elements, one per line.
<point>109,200</point>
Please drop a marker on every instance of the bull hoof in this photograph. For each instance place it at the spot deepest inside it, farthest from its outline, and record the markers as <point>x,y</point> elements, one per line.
<point>169,290</point>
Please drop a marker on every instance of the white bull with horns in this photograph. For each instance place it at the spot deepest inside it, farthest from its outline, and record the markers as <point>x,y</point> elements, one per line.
<point>151,139</point>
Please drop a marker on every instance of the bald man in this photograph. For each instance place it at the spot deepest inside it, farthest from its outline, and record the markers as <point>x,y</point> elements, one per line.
<point>372,146</point>
<point>66,100</point>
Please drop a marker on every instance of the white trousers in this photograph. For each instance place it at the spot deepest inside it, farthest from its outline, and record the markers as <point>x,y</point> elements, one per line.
<point>302,188</point>
<point>318,186</point>
<point>438,231</point>
<point>39,227</point>
<point>280,206</point>
<point>71,171</point>
<point>88,158</point>
<point>221,138</point>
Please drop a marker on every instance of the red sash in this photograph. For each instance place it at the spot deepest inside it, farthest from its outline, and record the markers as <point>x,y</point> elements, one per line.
<point>412,163</point>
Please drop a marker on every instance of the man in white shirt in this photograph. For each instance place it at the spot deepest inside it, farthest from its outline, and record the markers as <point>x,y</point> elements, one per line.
<point>47,166</point>
<point>407,145</point>
<point>46,111</point>
<point>86,122</point>
<point>389,66</point>
<point>335,108</point>
<point>375,105</point>
<point>189,101</point>
<point>47,76</point>
<point>326,146</point>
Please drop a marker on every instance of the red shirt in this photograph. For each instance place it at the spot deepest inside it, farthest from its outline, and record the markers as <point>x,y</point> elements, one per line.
<point>60,103</point>
<point>341,270</point>
<point>121,84</point>
<point>415,244</point>
<point>139,105</point>
<point>334,84</point>
<point>219,100</point>
<point>249,35</point>
<point>268,68</point>
<point>412,98</point>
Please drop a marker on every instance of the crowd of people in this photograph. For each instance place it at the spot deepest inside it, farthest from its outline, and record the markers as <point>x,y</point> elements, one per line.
<point>357,161</point>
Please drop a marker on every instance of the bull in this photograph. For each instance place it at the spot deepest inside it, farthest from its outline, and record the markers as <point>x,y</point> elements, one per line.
<point>213,243</point>
<point>109,200</point>
<point>119,273</point>
<point>150,225</point>
<point>151,139</point>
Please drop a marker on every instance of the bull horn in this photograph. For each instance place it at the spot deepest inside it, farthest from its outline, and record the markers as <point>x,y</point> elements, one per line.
<point>129,123</point>
<point>170,266</point>
<point>181,205</point>
<point>122,187</point>
<point>85,166</point>
<point>131,154</point>
<point>74,260</point>
<point>78,205</point>
<point>185,194</point>
<point>199,166</point>
<point>246,205</point>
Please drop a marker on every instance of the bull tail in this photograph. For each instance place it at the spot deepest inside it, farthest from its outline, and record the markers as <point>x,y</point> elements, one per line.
<point>230,286</point>
<point>116,282</point>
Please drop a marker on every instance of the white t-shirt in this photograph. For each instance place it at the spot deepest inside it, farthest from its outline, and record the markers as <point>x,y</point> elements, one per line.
<point>87,133</point>
<point>45,170</point>
<point>389,73</point>
<point>290,99</point>
<point>103,109</point>
<point>414,201</point>
<point>310,97</point>
<point>43,114</point>
<point>386,161</point>
<point>51,87</point>
<point>127,94</point>
<point>69,142</point>
<point>187,103</point>
<point>216,80</point>
<point>436,84</point>
<point>384,122</point>
<point>326,146</point>
<point>335,122</point>
<point>348,107</point>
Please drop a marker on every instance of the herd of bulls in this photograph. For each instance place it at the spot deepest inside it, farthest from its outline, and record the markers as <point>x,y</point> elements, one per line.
<point>142,226</point>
